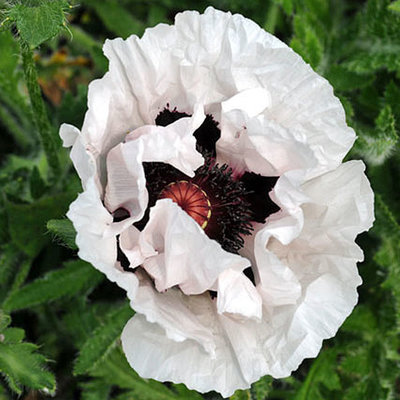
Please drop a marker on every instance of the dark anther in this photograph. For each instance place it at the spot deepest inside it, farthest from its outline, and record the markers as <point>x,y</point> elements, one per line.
<point>121,257</point>
<point>259,187</point>
<point>119,215</point>
<point>167,117</point>
<point>250,274</point>
<point>206,135</point>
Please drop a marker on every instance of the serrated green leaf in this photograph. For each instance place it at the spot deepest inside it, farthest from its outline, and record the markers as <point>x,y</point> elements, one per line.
<point>395,6</point>
<point>115,370</point>
<point>184,393</point>
<point>379,55</point>
<point>64,231</point>
<point>386,222</point>
<point>10,259</point>
<point>306,42</point>
<point>9,54</point>
<point>96,389</point>
<point>23,366</point>
<point>388,256</point>
<point>76,276</point>
<point>392,97</point>
<point>82,318</point>
<point>287,5</point>
<point>344,80</point>
<point>322,372</point>
<point>241,395</point>
<point>262,388</point>
<point>116,17</point>
<point>27,222</point>
<point>102,340</point>
<point>39,22</point>
<point>36,183</point>
<point>361,321</point>
<point>378,145</point>
<point>356,362</point>
<point>13,335</point>
<point>72,108</point>
<point>5,320</point>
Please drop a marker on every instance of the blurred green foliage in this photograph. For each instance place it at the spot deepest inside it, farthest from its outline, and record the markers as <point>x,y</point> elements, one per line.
<point>63,304</point>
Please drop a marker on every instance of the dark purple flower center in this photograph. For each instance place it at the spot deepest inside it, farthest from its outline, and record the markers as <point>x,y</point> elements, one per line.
<point>224,205</point>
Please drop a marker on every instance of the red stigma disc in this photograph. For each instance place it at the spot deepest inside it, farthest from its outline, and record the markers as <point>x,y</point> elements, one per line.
<point>191,198</point>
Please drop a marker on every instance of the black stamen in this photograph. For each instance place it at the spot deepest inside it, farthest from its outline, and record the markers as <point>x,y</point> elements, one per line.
<point>167,117</point>
<point>119,215</point>
<point>259,187</point>
<point>206,135</point>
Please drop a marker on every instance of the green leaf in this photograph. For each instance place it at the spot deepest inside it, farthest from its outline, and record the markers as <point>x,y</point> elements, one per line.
<point>262,388</point>
<point>386,222</point>
<point>344,80</point>
<point>115,370</point>
<point>5,320</point>
<point>388,256</point>
<point>36,183</point>
<point>27,222</point>
<point>39,22</point>
<point>184,393</point>
<point>102,340</point>
<point>96,389</point>
<point>380,55</point>
<point>72,109</point>
<point>287,5</point>
<point>361,321</point>
<point>395,6</point>
<point>82,319</point>
<point>23,366</point>
<point>76,276</point>
<point>9,55</point>
<point>241,395</point>
<point>392,98</point>
<point>306,42</point>
<point>116,18</point>
<point>10,258</point>
<point>13,335</point>
<point>379,145</point>
<point>322,372</point>
<point>64,231</point>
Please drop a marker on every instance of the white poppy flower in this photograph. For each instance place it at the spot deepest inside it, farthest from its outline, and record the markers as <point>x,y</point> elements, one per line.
<point>215,195</point>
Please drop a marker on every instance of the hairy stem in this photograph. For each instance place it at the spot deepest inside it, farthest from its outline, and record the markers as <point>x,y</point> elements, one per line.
<point>40,116</point>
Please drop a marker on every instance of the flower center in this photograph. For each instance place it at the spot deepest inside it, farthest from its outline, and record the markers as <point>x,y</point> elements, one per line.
<point>225,205</point>
<point>191,198</point>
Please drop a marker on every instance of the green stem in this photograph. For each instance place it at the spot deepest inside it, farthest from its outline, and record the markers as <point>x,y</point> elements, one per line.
<point>272,18</point>
<point>19,279</point>
<point>39,111</point>
<point>15,130</point>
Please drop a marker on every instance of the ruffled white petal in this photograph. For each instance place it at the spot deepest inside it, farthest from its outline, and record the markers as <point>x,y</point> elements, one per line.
<point>153,355</point>
<point>126,187</point>
<point>324,260</point>
<point>169,307</point>
<point>176,251</point>
<point>237,296</point>
<point>69,134</point>
<point>91,220</point>
<point>82,156</point>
